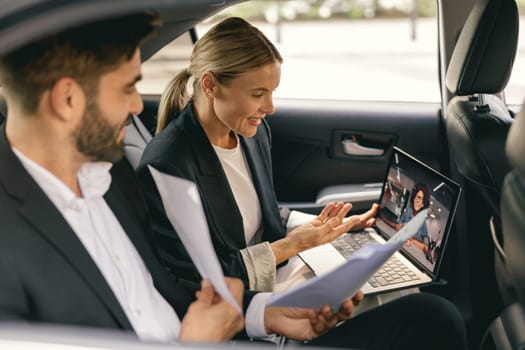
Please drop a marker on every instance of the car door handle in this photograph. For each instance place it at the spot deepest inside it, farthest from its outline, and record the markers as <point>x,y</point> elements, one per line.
<point>353,148</point>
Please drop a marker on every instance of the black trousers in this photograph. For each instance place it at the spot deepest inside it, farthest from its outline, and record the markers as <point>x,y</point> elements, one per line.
<point>415,321</point>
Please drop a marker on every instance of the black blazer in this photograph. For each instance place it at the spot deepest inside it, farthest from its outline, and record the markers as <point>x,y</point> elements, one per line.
<point>183,150</point>
<point>46,274</point>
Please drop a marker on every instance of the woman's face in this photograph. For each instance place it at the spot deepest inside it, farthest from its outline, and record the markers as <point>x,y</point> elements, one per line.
<point>418,200</point>
<point>246,100</point>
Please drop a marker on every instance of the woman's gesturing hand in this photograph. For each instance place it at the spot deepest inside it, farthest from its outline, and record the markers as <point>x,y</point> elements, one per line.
<point>329,225</point>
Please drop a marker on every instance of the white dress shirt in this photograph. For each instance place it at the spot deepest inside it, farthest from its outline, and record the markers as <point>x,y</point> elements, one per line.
<point>95,225</point>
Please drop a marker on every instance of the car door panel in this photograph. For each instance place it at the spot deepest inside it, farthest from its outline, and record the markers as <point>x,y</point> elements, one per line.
<point>308,148</point>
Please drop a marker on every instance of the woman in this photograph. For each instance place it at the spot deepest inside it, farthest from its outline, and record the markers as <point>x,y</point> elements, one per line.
<point>216,136</point>
<point>419,200</point>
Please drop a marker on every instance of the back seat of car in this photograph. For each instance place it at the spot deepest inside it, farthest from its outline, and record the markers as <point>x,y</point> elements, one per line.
<point>136,138</point>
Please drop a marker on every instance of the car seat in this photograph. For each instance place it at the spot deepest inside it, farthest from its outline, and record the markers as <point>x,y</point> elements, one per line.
<point>3,109</point>
<point>477,123</point>
<point>513,206</point>
<point>135,141</point>
<point>477,119</point>
<point>508,330</point>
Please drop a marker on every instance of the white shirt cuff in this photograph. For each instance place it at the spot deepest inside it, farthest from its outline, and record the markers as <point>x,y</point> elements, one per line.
<point>254,320</point>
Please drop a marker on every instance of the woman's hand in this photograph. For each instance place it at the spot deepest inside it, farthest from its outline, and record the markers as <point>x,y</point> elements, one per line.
<point>364,220</point>
<point>329,225</point>
<point>326,227</point>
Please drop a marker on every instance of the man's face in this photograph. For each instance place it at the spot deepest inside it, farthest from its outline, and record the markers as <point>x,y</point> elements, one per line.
<point>100,136</point>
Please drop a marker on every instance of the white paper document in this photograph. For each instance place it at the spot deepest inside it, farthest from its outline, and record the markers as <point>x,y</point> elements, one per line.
<point>183,207</point>
<point>333,287</point>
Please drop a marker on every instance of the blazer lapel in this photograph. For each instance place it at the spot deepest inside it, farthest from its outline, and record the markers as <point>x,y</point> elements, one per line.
<point>262,176</point>
<point>217,195</point>
<point>38,210</point>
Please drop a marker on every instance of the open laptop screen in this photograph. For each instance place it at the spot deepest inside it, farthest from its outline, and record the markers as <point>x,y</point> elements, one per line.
<point>412,186</point>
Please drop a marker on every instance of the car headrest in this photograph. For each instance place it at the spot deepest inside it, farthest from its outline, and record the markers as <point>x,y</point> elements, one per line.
<point>484,53</point>
<point>515,146</point>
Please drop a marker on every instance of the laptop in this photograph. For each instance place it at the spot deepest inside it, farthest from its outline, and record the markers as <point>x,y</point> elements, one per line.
<point>408,184</point>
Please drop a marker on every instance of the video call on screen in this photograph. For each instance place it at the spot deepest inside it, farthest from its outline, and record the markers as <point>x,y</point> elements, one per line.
<point>411,185</point>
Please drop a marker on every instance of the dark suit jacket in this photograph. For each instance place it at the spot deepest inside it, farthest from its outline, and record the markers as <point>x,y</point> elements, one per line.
<point>46,274</point>
<point>183,150</point>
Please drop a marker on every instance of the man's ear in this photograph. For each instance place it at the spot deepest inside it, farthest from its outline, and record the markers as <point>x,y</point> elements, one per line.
<point>67,99</point>
<point>208,84</point>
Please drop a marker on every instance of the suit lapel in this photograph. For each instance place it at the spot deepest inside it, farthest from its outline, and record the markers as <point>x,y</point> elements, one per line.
<point>38,210</point>
<point>257,159</point>
<point>260,174</point>
<point>217,195</point>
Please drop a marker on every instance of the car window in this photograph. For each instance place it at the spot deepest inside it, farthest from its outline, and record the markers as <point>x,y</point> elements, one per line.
<point>339,50</point>
<point>515,90</point>
<point>161,67</point>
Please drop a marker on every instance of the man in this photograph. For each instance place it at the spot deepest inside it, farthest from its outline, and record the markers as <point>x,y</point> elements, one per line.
<point>75,242</point>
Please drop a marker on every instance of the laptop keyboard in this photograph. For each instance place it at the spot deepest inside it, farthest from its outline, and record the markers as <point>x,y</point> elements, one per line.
<point>392,272</point>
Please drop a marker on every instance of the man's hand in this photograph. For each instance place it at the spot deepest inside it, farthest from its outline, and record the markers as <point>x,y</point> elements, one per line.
<point>307,324</point>
<point>210,318</point>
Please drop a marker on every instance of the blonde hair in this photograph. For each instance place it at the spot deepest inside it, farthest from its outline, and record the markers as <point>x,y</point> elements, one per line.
<point>228,49</point>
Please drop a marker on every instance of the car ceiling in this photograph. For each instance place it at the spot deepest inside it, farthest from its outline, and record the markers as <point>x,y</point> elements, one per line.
<point>22,21</point>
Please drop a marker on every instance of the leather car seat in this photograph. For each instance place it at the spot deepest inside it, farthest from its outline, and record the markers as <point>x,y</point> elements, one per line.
<point>477,123</point>
<point>508,330</point>
<point>513,206</point>
<point>3,109</point>
<point>135,141</point>
<point>477,119</point>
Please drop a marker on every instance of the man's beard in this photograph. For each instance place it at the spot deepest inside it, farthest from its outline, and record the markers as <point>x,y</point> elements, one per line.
<point>96,138</point>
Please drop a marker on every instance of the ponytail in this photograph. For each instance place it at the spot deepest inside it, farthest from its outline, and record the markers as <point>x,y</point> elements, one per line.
<point>173,101</point>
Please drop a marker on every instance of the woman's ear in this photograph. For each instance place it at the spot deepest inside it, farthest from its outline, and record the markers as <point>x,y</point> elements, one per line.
<point>208,84</point>
<point>67,99</point>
